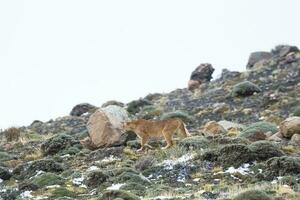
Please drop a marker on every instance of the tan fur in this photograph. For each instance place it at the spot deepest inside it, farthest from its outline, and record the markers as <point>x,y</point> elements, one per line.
<point>146,129</point>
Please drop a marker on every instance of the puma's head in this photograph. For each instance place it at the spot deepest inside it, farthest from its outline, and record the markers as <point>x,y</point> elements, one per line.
<point>129,126</point>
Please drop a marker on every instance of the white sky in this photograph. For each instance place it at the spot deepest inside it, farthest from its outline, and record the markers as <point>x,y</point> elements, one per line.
<point>55,54</point>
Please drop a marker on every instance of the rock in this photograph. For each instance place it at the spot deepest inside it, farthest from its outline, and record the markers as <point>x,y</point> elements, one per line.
<point>114,194</point>
<point>105,126</point>
<point>82,108</point>
<point>283,50</point>
<point>113,102</point>
<point>228,75</point>
<point>195,142</point>
<point>4,173</point>
<point>263,150</point>
<point>257,57</point>
<point>290,126</point>
<point>95,178</point>
<point>244,89</point>
<point>257,131</point>
<point>295,140</point>
<point>281,166</point>
<point>68,124</point>
<point>213,128</point>
<point>203,73</point>
<point>193,84</point>
<point>229,125</point>
<point>30,169</point>
<point>57,144</point>
<point>276,137</point>
<point>220,108</point>
<point>253,195</point>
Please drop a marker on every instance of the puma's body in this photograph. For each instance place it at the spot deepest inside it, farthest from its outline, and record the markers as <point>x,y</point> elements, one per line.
<point>146,129</point>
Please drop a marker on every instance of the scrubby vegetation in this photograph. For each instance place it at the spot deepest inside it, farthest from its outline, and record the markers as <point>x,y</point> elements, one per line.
<point>245,88</point>
<point>249,158</point>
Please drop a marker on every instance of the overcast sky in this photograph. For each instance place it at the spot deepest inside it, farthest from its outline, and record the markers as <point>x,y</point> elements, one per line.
<point>55,54</point>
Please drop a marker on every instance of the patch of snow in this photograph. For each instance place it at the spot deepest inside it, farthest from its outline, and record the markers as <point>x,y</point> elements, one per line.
<point>111,158</point>
<point>1,180</point>
<point>169,164</point>
<point>260,171</point>
<point>244,169</point>
<point>41,198</point>
<point>78,181</point>
<point>53,186</point>
<point>65,156</point>
<point>115,186</point>
<point>39,172</point>
<point>196,179</point>
<point>26,194</point>
<point>92,168</point>
<point>3,190</point>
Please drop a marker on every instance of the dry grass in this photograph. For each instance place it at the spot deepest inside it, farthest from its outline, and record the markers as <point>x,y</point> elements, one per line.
<point>12,134</point>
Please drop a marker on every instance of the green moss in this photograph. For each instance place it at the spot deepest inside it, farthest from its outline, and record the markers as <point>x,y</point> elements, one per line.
<point>281,166</point>
<point>58,143</point>
<point>95,178</point>
<point>288,180</point>
<point>245,88</point>
<point>134,188</point>
<point>234,155</point>
<point>195,142</point>
<point>253,195</point>
<point>72,151</point>
<point>177,114</point>
<point>62,192</point>
<point>135,106</point>
<point>149,112</point>
<point>114,194</point>
<point>263,150</point>
<point>132,177</point>
<point>47,179</point>
<point>297,111</point>
<point>263,127</point>
<point>4,156</point>
<point>34,136</point>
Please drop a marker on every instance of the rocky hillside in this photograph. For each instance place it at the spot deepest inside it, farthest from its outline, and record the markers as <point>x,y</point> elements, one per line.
<point>245,142</point>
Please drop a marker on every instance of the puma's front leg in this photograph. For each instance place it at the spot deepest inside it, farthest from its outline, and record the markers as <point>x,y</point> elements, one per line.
<point>143,142</point>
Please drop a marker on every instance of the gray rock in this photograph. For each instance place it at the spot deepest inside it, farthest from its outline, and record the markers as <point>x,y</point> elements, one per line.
<point>203,73</point>
<point>82,108</point>
<point>257,57</point>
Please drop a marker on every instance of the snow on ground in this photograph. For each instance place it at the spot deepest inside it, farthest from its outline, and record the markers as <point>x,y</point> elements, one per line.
<point>26,194</point>
<point>78,181</point>
<point>65,156</point>
<point>109,159</point>
<point>92,168</point>
<point>169,164</point>
<point>115,186</point>
<point>244,170</point>
<point>1,180</point>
